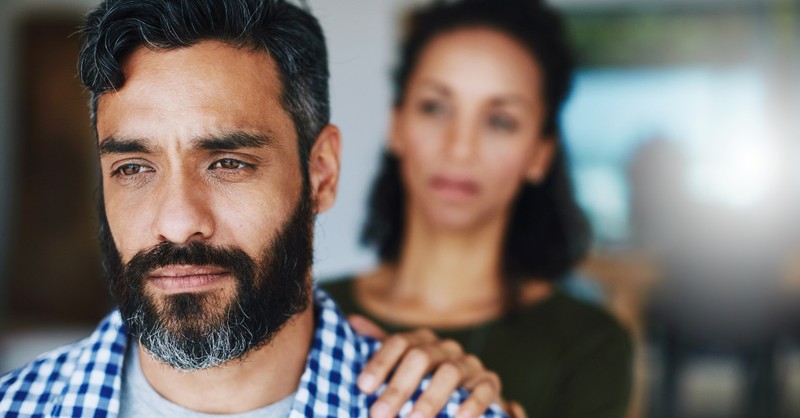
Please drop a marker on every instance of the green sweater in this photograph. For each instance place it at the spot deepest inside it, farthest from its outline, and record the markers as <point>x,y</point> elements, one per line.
<point>559,358</point>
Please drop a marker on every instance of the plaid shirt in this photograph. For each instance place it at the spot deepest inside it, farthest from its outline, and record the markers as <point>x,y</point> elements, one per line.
<point>84,379</point>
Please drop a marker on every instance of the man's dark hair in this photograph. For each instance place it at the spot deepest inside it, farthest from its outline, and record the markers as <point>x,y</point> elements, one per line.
<point>288,33</point>
<point>548,233</point>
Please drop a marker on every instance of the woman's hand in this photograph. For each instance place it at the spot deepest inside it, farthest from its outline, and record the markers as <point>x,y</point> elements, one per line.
<point>412,356</point>
<point>514,410</point>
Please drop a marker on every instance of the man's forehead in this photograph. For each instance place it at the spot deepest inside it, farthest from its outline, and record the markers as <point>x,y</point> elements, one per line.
<point>207,62</point>
<point>207,87</point>
<point>206,54</point>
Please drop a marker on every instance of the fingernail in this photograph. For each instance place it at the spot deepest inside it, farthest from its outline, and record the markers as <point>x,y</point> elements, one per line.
<point>366,381</point>
<point>381,410</point>
<point>464,414</point>
<point>416,414</point>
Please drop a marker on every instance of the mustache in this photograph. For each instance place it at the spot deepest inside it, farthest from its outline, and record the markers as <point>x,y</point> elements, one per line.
<point>197,253</point>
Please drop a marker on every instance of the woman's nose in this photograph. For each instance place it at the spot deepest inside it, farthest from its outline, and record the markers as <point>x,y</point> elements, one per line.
<point>462,140</point>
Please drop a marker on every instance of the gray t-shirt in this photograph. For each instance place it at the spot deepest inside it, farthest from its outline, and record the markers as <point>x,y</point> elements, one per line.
<point>140,400</point>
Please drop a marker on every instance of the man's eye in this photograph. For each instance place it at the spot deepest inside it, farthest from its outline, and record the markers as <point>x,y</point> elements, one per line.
<point>129,169</point>
<point>228,164</point>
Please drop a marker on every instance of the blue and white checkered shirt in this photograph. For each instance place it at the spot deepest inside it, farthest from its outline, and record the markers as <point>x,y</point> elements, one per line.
<point>84,379</point>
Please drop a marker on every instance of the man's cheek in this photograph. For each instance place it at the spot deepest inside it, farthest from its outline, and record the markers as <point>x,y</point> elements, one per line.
<point>128,225</point>
<point>125,244</point>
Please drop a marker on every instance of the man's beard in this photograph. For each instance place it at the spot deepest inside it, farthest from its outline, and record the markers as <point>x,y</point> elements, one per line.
<point>193,331</point>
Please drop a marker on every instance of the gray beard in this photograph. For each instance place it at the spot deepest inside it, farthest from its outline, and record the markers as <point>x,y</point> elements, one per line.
<point>222,341</point>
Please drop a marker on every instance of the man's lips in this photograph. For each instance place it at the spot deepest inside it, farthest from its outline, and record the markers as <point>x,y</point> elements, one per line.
<point>184,278</point>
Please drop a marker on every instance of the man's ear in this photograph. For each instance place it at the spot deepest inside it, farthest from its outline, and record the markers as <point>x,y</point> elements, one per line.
<point>323,168</point>
<point>544,151</point>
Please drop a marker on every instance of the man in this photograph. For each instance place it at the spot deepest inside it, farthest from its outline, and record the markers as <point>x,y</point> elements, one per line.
<point>215,149</point>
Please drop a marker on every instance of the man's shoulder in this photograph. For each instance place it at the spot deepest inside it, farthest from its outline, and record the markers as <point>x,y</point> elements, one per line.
<point>31,388</point>
<point>69,374</point>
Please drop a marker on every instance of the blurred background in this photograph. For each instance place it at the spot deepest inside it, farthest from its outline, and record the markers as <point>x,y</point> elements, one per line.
<point>683,131</point>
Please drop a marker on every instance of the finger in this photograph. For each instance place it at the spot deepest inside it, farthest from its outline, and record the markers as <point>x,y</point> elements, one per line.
<point>515,410</point>
<point>452,369</point>
<point>416,363</point>
<point>443,382</point>
<point>387,357</point>
<point>476,374</point>
<point>483,385</point>
<point>481,397</point>
<point>452,348</point>
<point>364,326</point>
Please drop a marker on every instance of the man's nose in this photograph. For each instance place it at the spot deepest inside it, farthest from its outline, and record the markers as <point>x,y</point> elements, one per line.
<point>183,211</point>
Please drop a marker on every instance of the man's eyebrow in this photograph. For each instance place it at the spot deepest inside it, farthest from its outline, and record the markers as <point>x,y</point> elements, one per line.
<point>229,141</point>
<point>114,145</point>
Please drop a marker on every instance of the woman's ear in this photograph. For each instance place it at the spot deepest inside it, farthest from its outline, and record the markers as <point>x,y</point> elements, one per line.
<point>543,153</point>
<point>396,145</point>
<point>324,168</point>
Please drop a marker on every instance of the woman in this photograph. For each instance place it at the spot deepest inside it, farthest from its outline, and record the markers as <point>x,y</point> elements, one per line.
<point>473,215</point>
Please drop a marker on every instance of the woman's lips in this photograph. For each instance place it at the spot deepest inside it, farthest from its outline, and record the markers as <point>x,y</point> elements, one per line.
<point>453,188</point>
<point>186,278</point>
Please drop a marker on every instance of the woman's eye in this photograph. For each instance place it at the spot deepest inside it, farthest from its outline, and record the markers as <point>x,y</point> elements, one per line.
<point>432,107</point>
<point>502,123</point>
<point>228,164</point>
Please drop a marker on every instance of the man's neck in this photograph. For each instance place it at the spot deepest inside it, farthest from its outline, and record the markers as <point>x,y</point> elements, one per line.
<point>263,377</point>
